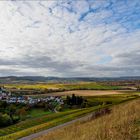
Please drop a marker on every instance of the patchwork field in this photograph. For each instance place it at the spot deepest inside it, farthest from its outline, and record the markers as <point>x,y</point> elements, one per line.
<point>70,86</point>
<point>86,93</point>
<point>95,96</point>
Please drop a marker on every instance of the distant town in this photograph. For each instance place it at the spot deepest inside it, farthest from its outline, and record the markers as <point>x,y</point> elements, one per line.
<point>6,95</point>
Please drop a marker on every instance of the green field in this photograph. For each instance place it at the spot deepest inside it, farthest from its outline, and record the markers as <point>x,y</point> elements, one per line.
<point>38,112</point>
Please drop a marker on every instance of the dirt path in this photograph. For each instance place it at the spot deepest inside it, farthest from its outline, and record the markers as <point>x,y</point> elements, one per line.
<point>35,135</point>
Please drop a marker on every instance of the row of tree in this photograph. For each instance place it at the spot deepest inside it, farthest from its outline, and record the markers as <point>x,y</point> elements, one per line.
<point>11,113</point>
<point>75,100</point>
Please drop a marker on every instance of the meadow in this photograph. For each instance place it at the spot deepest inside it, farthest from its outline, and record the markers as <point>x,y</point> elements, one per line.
<point>122,124</point>
<point>38,112</point>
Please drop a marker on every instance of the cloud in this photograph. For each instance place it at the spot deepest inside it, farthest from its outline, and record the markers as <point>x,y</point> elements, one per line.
<point>70,38</point>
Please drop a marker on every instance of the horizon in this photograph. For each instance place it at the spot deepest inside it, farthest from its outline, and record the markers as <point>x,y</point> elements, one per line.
<point>82,38</point>
<point>69,77</point>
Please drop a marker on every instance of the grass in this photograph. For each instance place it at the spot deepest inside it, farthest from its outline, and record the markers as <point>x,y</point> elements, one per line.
<point>88,85</point>
<point>38,112</point>
<point>137,130</point>
<point>32,86</point>
<point>53,120</point>
<point>82,85</point>
<point>32,122</point>
<point>119,125</point>
<point>111,98</point>
<point>41,120</point>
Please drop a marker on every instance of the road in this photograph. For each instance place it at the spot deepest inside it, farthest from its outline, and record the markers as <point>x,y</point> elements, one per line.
<point>35,135</point>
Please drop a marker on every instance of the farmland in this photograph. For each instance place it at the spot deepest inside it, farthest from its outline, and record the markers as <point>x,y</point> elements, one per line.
<point>78,99</point>
<point>45,121</point>
<point>85,93</point>
<point>101,88</point>
<point>43,88</point>
<point>70,86</point>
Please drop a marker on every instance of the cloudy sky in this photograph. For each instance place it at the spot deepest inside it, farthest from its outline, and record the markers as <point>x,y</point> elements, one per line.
<point>70,37</point>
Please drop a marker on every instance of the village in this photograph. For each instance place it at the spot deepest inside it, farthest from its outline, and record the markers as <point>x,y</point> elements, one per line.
<point>7,96</point>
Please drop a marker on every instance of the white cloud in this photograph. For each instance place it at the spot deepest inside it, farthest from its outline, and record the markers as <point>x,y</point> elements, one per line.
<point>47,38</point>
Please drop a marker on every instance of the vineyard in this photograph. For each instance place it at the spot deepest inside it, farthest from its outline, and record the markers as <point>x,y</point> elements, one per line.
<point>45,122</point>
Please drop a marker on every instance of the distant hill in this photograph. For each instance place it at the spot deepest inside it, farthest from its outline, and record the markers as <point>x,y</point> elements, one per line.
<point>34,79</point>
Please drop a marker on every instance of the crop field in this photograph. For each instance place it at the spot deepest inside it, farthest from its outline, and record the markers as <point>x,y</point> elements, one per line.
<point>88,85</point>
<point>111,99</point>
<point>80,86</point>
<point>32,86</point>
<point>86,93</point>
<point>46,121</point>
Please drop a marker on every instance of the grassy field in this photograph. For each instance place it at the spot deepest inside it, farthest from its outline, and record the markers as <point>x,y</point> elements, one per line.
<point>82,85</point>
<point>112,99</point>
<point>136,134</point>
<point>122,124</point>
<point>88,85</point>
<point>87,93</point>
<point>38,112</point>
<point>41,122</point>
<point>32,86</point>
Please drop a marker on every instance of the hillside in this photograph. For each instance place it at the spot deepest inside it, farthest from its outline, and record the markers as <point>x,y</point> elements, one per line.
<point>34,79</point>
<point>121,124</point>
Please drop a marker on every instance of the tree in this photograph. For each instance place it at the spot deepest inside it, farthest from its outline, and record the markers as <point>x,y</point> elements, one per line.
<point>74,100</point>
<point>22,112</point>
<point>12,111</point>
<point>5,120</point>
<point>3,105</point>
<point>68,100</point>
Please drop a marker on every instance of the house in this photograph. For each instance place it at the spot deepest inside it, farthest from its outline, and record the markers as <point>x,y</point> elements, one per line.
<point>4,94</point>
<point>12,100</point>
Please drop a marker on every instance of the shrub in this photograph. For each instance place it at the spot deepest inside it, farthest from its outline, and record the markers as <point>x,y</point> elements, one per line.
<point>5,120</point>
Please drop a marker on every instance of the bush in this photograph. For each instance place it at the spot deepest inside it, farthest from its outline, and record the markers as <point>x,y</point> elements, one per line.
<point>5,120</point>
<point>108,102</point>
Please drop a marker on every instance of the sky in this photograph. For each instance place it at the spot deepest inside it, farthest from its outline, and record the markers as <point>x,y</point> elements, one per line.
<point>70,38</point>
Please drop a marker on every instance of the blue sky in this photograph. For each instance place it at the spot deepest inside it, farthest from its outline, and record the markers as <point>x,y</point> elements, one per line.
<point>70,38</point>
